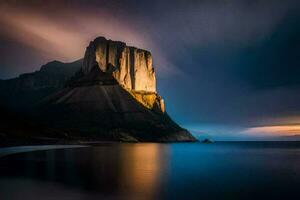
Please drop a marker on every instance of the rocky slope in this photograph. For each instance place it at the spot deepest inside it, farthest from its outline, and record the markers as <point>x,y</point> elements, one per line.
<point>97,107</point>
<point>111,97</point>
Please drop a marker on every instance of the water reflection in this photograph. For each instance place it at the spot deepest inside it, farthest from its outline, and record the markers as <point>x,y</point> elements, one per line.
<point>240,170</point>
<point>123,170</point>
<point>143,168</point>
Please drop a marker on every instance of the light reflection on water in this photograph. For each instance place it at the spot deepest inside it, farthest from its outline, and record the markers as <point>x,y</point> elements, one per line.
<point>154,171</point>
<point>125,170</point>
<point>142,169</point>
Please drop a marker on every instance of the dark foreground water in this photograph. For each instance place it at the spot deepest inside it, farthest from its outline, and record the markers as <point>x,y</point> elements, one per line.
<point>155,171</point>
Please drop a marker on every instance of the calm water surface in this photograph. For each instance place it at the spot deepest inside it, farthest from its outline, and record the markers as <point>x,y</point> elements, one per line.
<point>253,170</point>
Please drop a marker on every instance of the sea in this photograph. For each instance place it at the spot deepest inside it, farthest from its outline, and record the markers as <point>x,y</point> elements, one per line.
<point>220,170</point>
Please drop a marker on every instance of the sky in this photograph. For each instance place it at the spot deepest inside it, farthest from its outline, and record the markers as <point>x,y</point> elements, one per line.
<point>226,68</point>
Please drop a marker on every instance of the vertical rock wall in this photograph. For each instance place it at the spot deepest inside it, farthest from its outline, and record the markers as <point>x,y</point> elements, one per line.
<point>131,67</point>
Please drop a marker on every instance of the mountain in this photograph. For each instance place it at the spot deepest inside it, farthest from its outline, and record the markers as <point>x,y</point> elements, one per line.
<point>27,89</point>
<point>130,66</point>
<point>109,95</point>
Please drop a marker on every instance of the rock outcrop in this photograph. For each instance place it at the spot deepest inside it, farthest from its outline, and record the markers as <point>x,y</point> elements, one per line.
<point>130,66</point>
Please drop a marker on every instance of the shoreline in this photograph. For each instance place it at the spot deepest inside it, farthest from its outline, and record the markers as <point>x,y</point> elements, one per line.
<point>5,151</point>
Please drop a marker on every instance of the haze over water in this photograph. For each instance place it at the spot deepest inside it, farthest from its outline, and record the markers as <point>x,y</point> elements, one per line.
<point>155,171</point>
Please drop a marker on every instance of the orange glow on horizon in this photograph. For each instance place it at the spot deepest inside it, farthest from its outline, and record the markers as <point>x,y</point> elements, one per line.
<point>276,130</point>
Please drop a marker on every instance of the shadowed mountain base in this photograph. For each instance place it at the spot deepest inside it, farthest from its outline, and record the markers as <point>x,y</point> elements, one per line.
<point>97,107</point>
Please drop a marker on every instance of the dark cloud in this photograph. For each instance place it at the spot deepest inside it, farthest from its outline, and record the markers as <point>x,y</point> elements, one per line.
<point>275,61</point>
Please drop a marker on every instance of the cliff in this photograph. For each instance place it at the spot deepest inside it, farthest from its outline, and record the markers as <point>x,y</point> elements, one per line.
<point>130,66</point>
<point>112,96</point>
